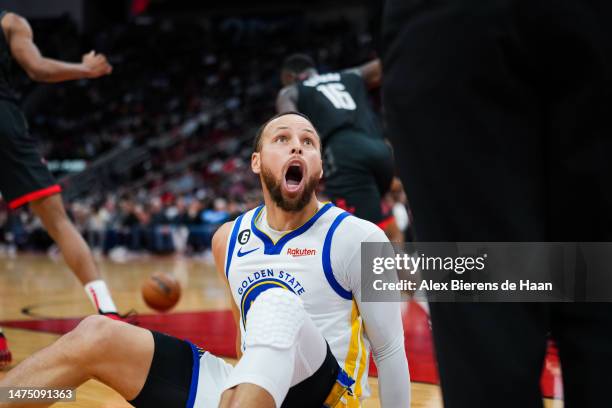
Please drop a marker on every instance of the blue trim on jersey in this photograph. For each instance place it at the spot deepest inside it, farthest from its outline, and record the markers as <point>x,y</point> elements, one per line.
<point>344,379</point>
<point>257,288</point>
<point>327,268</point>
<point>232,244</point>
<point>195,374</point>
<point>271,248</point>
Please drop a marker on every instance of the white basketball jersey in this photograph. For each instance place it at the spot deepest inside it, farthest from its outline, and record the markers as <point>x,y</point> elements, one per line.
<point>301,261</point>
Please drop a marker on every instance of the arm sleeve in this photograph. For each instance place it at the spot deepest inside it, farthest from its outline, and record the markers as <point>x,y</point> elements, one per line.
<point>383,325</point>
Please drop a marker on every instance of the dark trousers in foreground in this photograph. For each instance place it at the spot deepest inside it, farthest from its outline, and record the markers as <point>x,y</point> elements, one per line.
<point>500,112</point>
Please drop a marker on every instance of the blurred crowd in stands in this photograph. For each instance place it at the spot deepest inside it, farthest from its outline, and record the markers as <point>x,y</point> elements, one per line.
<point>201,88</point>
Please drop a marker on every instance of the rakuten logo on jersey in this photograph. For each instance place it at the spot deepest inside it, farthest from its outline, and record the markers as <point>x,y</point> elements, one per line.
<point>301,252</point>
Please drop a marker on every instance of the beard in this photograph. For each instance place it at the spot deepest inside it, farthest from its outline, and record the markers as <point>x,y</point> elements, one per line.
<point>295,204</point>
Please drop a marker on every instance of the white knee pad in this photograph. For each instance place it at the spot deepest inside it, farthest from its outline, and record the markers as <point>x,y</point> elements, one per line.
<point>274,319</point>
<point>283,347</point>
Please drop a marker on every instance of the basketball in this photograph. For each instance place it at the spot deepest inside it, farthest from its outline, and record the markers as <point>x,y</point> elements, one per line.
<point>161,292</point>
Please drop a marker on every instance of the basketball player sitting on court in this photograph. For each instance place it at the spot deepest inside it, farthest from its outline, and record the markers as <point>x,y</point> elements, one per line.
<point>293,269</point>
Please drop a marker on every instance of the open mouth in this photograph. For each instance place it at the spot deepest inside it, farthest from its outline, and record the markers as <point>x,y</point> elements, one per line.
<point>293,177</point>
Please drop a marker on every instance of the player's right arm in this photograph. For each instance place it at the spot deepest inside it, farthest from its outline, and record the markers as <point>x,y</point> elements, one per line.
<point>382,320</point>
<point>41,69</point>
<point>219,246</point>
<point>286,101</point>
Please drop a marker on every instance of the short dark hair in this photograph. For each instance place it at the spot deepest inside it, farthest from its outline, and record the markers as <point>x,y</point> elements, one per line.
<point>259,134</point>
<point>298,63</point>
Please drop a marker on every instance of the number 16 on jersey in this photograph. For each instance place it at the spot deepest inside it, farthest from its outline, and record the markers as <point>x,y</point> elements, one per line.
<point>338,96</point>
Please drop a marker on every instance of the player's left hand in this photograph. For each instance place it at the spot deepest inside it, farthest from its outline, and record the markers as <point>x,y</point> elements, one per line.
<point>96,64</point>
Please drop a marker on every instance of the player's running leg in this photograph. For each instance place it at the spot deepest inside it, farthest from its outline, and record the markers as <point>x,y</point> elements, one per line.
<point>76,253</point>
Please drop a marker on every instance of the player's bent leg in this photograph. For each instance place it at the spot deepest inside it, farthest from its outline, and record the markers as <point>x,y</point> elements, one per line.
<point>285,356</point>
<point>76,253</point>
<point>172,379</point>
<point>273,324</point>
<point>250,395</point>
<point>115,353</point>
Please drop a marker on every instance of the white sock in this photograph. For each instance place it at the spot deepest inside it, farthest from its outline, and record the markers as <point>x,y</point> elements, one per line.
<point>98,293</point>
